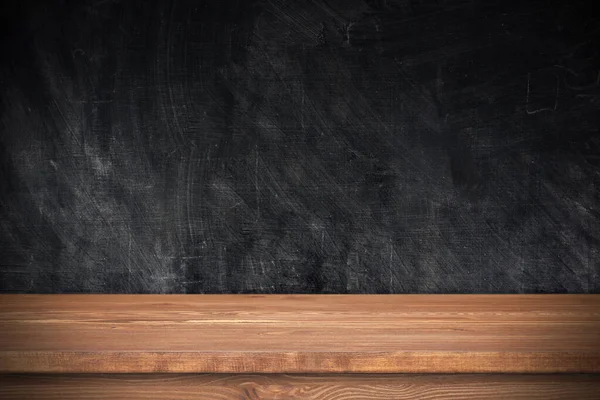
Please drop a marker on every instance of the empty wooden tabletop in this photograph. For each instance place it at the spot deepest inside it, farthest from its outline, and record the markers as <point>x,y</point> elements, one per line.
<point>299,333</point>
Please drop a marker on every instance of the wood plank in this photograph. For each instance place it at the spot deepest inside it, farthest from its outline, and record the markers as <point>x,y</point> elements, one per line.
<point>291,387</point>
<point>300,333</point>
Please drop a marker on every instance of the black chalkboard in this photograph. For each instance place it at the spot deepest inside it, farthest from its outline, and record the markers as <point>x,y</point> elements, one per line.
<point>295,146</point>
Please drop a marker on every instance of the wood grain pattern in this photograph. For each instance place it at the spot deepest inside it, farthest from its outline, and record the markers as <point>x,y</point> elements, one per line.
<point>290,387</point>
<point>300,334</point>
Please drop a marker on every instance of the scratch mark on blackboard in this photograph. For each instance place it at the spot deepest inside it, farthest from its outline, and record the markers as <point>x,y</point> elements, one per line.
<point>69,128</point>
<point>129,257</point>
<point>256,185</point>
<point>391,286</point>
<point>531,112</point>
<point>190,193</point>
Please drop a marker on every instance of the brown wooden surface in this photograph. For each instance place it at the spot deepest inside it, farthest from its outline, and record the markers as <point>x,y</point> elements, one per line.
<point>267,387</point>
<point>298,334</point>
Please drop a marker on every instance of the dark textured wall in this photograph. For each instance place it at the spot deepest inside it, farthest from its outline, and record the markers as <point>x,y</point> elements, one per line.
<point>337,146</point>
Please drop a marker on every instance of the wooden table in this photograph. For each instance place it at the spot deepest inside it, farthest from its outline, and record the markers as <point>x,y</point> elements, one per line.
<point>300,346</point>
